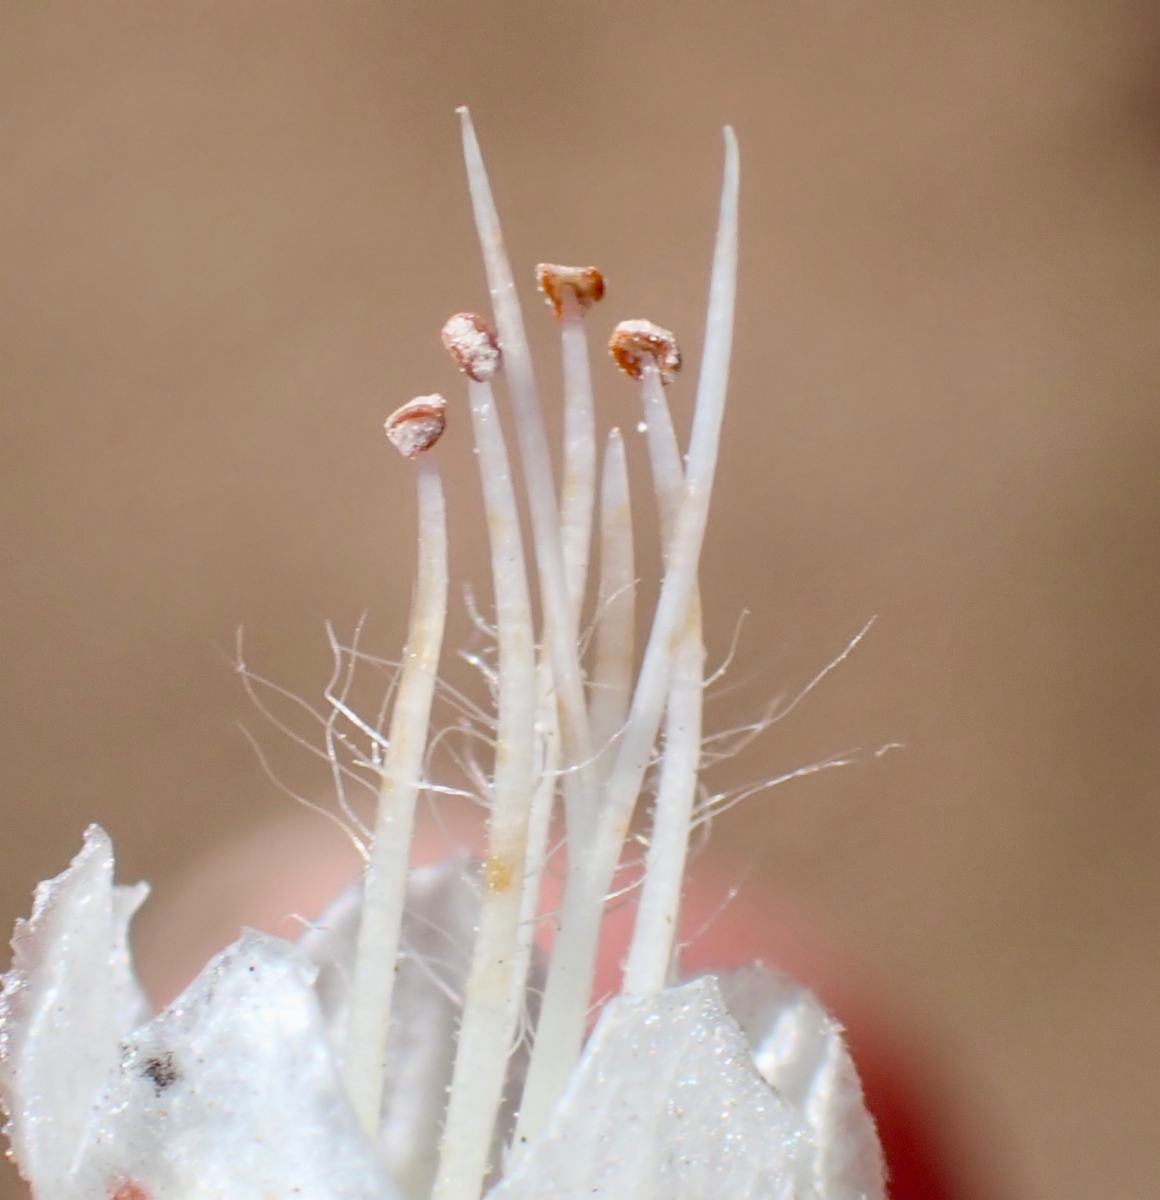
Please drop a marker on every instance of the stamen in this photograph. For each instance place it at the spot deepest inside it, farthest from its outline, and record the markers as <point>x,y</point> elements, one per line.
<point>650,955</point>
<point>411,429</point>
<point>576,289</point>
<point>490,1010</point>
<point>635,343</point>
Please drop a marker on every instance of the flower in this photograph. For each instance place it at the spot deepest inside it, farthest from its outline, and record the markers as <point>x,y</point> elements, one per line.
<point>381,1056</point>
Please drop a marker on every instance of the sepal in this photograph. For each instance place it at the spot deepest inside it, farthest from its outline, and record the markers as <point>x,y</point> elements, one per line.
<point>800,1051</point>
<point>666,1101</point>
<point>231,1093</point>
<point>68,999</point>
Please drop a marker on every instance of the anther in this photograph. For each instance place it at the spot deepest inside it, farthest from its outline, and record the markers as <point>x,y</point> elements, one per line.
<point>587,285</point>
<point>418,425</point>
<point>473,345</point>
<point>633,342</point>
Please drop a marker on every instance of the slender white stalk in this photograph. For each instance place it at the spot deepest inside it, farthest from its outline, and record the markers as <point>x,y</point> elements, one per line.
<point>579,476</point>
<point>615,628</point>
<point>364,1058</point>
<point>616,608</point>
<point>664,451</point>
<point>559,619</point>
<point>576,503</point>
<point>482,1055</point>
<point>563,1014</point>
<point>576,533</point>
<point>539,828</point>
<point>647,967</point>
<point>649,957</point>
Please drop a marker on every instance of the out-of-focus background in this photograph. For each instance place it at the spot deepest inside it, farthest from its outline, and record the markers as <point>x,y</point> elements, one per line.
<point>229,233</point>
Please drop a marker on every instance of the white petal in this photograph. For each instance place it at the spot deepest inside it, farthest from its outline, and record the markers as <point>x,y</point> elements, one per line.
<point>665,1105</point>
<point>231,1093</point>
<point>799,1050</point>
<point>438,932</point>
<point>67,1001</point>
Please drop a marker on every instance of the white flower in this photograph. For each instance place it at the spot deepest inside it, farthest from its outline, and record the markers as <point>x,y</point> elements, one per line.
<point>380,1057</point>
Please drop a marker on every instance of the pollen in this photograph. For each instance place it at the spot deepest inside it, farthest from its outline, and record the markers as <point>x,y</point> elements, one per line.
<point>587,285</point>
<point>635,342</point>
<point>417,425</point>
<point>497,874</point>
<point>473,345</point>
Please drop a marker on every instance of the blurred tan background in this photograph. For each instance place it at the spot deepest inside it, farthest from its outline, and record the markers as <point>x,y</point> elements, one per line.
<point>229,233</point>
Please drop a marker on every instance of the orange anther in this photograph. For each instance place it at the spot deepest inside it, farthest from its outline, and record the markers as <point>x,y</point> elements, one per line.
<point>633,342</point>
<point>586,283</point>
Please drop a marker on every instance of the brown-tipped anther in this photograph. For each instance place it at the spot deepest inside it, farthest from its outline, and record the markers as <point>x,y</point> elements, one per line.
<point>587,285</point>
<point>473,345</point>
<point>634,342</point>
<point>418,425</point>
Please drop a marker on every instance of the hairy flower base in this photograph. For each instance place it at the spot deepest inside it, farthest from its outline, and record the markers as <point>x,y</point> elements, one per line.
<point>235,1089</point>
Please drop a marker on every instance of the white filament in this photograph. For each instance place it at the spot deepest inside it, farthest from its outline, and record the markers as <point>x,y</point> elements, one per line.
<point>539,827</point>
<point>615,608</point>
<point>649,957</point>
<point>488,1011</point>
<point>579,475</point>
<point>386,873</point>
<point>576,535</point>
<point>576,503</point>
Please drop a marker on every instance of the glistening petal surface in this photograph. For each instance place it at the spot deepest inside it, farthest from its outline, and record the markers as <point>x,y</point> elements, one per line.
<point>232,1093</point>
<point>799,1050</point>
<point>666,1104</point>
<point>67,1001</point>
